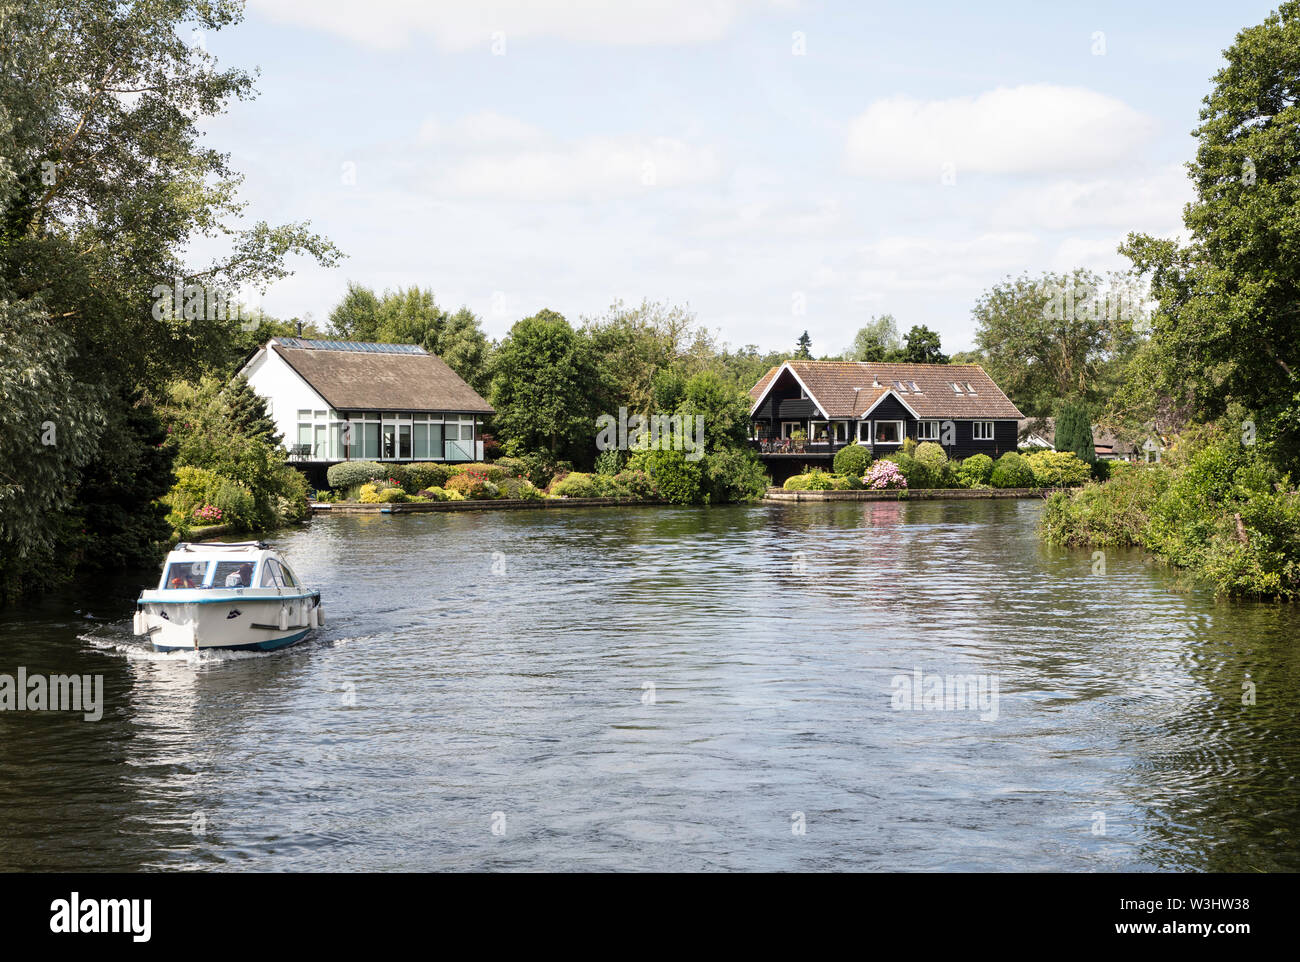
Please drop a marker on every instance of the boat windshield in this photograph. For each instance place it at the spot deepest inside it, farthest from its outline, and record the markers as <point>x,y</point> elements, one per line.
<point>185,574</point>
<point>233,574</point>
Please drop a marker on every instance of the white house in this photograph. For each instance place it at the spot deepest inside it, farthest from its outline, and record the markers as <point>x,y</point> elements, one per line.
<point>350,400</point>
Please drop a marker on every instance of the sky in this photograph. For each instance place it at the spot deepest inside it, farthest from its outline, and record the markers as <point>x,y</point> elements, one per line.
<point>773,165</point>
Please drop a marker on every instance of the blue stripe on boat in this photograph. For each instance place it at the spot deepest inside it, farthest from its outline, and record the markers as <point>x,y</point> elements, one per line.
<point>271,645</point>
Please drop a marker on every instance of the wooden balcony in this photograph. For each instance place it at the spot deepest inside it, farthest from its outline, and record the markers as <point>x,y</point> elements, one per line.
<point>788,448</point>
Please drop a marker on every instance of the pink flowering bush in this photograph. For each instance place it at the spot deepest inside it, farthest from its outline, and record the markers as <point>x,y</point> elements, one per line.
<point>884,475</point>
<point>209,514</point>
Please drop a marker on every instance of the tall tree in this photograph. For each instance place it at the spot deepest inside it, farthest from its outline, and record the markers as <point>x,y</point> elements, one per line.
<point>356,316</point>
<point>921,347</point>
<point>542,387</point>
<point>877,340</point>
<point>803,349</point>
<point>1074,430</point>
<point>1227,329</point>
<point>105,185</point>
<point>1056,336</point>
<point>411,315</point>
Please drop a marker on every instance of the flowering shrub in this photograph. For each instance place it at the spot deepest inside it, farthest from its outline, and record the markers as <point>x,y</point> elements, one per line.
<point>472,484</point>
<point>208,514</point>
<point>884,475</point>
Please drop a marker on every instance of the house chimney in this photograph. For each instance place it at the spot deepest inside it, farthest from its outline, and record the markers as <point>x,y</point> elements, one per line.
<point>300,328</point>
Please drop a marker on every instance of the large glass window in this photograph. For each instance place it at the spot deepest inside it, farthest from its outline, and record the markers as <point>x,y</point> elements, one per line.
<point>927,430</point>
<point>185,574</point>
<point>369,440</point>
<point>982,430</point>
<point>271,574</point>
<point>889,432</point>
<point>233,574</point>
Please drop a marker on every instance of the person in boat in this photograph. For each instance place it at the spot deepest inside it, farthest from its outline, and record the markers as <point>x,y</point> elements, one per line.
<point>240,577</point>
<point>182,579</point>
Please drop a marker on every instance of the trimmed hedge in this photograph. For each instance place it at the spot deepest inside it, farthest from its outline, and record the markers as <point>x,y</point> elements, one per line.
<point>975,471</point>
<point>1012,471</point>
<point>1058,469</point>
<point>852,460</point>
<point>349,474</point>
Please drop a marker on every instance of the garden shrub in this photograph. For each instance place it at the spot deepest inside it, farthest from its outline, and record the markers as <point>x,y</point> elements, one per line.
<point>932,457</point>
<point>679,481</point>
<point>426,474</point>
<point>883,475</point>
<point>393,496</point>
<point>735,475</point>
<point>489,472</point>
<point>351,474</point>
<point>975,471</point>
<point>610,461</point>
<point>577,484</point>
<point>433,494</point>
<point>538,468</point>
<point>198,487</point>
<point>638,484</point>
<point>471,485</point>
<point>1012,471</point>
<point>854,460</point>
<point>519,489</point>
<point>513,467</point>
<point>814,480</point>
<point>916,473</point>
<point>1058,469</point>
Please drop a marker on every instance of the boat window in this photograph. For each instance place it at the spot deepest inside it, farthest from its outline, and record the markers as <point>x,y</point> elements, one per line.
<point>233,574</point>
<point>271,574</point>
<point>185,574</point>
<point>287,575</point>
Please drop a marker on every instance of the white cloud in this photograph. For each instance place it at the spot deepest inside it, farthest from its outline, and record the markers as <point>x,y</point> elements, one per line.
<point>484,129</point>
<point>589,168</point>
<point>464,24</point>
<point>1152,203</point>
<point>1030,129</point>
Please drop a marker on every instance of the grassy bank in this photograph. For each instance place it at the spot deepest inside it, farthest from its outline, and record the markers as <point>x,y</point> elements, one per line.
<point>1216,508</point>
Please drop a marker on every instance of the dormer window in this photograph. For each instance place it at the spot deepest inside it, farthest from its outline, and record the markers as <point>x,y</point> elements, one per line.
<point>900,387</point>
<point>969,389</point>
<point>915,389</point>
<point>956,388</point>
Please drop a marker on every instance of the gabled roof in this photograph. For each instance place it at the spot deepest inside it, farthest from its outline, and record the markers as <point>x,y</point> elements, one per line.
<point>360,376</point>
<point>831,386</point>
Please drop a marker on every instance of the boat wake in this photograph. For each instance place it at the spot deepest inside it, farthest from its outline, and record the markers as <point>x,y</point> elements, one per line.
<point>136,651</point>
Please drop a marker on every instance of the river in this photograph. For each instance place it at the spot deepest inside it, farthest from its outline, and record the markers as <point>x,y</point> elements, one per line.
<point>674,689</point>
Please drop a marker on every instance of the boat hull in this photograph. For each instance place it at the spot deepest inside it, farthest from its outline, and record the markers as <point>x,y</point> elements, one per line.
<point>226,620</point>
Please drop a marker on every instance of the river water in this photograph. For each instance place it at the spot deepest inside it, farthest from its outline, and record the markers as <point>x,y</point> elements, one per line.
<point>675,689</point>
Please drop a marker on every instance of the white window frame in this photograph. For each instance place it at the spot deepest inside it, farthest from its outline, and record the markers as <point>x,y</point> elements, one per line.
<point>789,427</point>
<point>977,426</point>
<point>927,430</point>
<point>875,431</point>
<point>864,432</point>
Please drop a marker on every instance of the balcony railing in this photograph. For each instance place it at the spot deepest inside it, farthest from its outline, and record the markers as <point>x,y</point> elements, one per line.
<point>790,446</point>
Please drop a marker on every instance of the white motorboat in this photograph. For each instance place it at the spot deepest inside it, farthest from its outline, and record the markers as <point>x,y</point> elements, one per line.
<point>233,597</point>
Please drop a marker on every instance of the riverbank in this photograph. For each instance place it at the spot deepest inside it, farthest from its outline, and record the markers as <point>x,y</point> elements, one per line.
<point>907,494</point>
<point>501,504</point>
